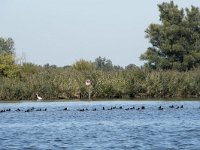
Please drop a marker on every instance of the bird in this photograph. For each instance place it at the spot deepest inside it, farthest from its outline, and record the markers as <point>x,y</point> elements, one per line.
<point>17,109</point>
<point>94,109</point>
<point>160,108</point>
<point>38,97</point>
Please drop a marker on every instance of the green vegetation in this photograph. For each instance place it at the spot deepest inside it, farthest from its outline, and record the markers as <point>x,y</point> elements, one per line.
<point>69,83</point>
<point>176,41</point>
<point>172,69</point>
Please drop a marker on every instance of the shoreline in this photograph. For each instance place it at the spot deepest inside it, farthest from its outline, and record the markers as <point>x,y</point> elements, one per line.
<point>105,99</point>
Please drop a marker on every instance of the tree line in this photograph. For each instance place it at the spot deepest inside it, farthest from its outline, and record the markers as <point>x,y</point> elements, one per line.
<point>171,70</point>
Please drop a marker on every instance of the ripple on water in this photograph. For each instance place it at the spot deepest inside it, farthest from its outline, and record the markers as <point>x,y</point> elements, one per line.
<point>101,129</point>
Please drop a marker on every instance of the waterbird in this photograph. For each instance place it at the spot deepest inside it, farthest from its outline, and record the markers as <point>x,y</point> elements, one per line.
<point>109,108</point>
<point>114,107</point>
<point>38,97</point>
<point>28,110</point>
<point>65,108</point>
<point>160,108</point>
<point>2,111</point>
<point>17,109</point>
<point>39,109</point>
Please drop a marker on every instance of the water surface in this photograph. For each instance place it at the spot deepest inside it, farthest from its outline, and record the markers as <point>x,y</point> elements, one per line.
<point>148,128</point>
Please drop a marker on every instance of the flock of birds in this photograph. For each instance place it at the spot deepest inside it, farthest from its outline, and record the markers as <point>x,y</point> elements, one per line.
<point>86,109</point>
<point>127,108</point>
<point>93,109</point>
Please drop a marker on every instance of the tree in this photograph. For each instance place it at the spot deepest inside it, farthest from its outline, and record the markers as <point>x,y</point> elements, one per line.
<point>83,65</point>
<point>176,41</point>
<point>131,67</point>
<point>8,67</point>
<point>103,64</point>
<point>7,45</point>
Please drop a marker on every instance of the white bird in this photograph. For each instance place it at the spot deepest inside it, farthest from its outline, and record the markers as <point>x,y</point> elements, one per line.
<point>38,97</point>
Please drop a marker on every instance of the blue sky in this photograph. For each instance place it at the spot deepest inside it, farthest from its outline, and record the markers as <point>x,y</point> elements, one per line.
<point>61,32</point>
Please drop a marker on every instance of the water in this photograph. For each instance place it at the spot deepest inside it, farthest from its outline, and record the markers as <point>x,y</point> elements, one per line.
<point>145,129</point>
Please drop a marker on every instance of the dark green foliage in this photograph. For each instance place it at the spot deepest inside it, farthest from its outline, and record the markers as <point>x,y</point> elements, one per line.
<point>176,41</point>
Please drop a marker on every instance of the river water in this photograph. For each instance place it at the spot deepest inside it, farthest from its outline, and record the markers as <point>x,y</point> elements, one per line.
<point>95,128</point>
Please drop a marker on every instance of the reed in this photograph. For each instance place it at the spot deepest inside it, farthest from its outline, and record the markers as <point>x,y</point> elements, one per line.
<point>69,83</point>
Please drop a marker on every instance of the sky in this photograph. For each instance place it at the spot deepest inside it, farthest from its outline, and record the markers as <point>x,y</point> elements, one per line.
<point>61,32</point>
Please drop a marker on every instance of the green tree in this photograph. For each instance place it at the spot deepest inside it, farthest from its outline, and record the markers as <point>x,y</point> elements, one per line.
<point>131,67</point>
<point>103,64</point>
<point>8,67</point>
<point>176,41</point>
<point>83,65</point>
<point>7,45</point>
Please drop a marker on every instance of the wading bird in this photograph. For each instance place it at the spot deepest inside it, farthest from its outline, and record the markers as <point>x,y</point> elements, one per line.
<point>38,97</point>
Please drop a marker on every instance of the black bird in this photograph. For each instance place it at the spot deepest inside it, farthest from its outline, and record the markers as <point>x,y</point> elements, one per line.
<point>103,108</point>
<point>114,107</point>
<point>28,110</point>
<point>181,106</point>
<point>143,107</point>
<point>94,109</point>
<point>65,108</point>
<point>110,108</point>
<point>120,107</point>
<point>17,109</point>
<point>172,106</point>
<point>160,108</point>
